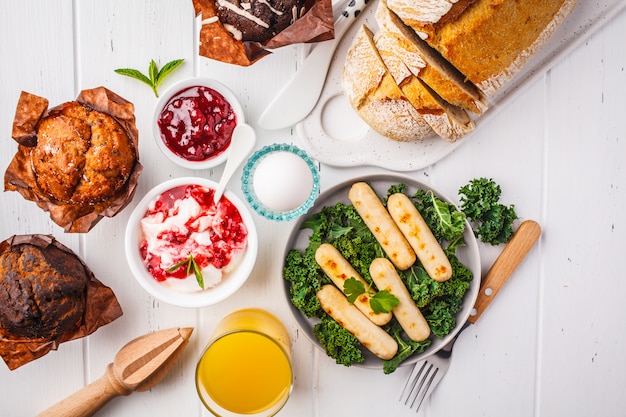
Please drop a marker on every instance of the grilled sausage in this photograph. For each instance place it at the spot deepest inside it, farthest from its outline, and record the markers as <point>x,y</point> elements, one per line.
<point>339,270</point>
<point>420,237</point>
<point>378,220</point>
<point>406,312</point>
<point>374,338</point>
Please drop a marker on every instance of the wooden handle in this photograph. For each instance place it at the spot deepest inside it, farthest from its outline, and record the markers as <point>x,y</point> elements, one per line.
<point>511,256</point>
<point>89,400</point>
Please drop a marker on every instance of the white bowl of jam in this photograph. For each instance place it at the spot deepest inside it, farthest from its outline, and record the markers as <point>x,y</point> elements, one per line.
<point>186,250</point>
<point>194,121</point>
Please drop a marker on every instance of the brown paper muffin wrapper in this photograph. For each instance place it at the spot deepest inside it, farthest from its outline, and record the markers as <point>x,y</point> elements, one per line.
<point>315,25</point>
<point>19,176</point>
<point>101,308</point>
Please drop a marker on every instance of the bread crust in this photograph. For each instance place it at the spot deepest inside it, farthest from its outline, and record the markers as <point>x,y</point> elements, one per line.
<point>449,122</point>
<point>428,65</point>
<point>492,39</point>
<point>444,58</point>
<point>374,95</point>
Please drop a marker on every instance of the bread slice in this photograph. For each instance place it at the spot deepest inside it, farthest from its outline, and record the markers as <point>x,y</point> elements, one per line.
<point>490,40</point>
<point>448,121</point>
<point>375,96</point>
<point>428,65</point>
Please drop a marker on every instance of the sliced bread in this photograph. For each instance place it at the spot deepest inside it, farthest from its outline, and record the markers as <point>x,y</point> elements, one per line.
<point>428,65</point>
<point>375,96</point>
<point>448,121</point>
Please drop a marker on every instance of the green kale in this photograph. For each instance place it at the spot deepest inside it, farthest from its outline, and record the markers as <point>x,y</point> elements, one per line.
<point>339,344</point>
<point>493,221</point>
<point>406,348</point>
<point>306,279</point>
<point>424,290</point>
<point>444,219</point>
<point>342,226</point>
<point>441,310</point>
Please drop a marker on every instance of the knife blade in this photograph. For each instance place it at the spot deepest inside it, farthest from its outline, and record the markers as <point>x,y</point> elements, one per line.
<point>300,95</point>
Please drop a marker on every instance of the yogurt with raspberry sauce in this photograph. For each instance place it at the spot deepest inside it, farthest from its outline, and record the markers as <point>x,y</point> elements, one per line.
<point>185,221</point>
<point>197,123</point>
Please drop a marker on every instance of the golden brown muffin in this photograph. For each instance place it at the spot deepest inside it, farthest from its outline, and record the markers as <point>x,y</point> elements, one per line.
<point>42,292</point>
<point>83,156</point>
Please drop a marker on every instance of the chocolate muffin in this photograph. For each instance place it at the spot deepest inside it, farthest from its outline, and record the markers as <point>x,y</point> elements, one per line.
<point>42,292</point>
<point>83,156</point>
<point>258,20</point>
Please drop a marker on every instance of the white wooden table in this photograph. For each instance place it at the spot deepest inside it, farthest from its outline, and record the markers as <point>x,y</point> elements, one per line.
<point>551,344</point>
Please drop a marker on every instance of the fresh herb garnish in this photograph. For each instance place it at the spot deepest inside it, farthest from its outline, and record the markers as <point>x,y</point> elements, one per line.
<point>191,265</point>
<point>381,302</point>
<point>155,76</point>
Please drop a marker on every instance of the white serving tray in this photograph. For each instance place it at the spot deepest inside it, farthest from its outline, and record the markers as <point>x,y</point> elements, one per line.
<point>334,134</point>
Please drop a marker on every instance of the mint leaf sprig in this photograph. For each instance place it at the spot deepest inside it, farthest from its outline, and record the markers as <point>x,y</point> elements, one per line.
<point>191,265</point>
<point>155,76</point>
<point>381,302</point>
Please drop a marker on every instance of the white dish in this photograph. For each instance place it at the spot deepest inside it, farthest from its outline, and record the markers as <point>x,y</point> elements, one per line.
<point>334,134</point>
<point>468,255</point>
<point>193,299</point>
<point>165,97</point>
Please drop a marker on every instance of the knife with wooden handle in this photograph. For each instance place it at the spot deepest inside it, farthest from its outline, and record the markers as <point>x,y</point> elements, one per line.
<point>300,95</point>
<point>512,255</point>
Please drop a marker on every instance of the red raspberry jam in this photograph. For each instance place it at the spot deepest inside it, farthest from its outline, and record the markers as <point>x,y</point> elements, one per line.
<point>197,123</point>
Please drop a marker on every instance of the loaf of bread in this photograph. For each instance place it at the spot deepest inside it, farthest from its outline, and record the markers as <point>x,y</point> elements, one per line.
<point>489,41</point>
<point>375,96</point>
<point>446,120</point>
<point>447,57</point>
<point>428,65</point>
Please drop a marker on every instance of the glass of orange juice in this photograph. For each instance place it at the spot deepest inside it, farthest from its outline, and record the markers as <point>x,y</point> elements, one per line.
<point>245,369</point>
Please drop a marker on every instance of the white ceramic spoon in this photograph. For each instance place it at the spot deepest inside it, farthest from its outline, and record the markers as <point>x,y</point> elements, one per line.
<point>299,96</point>
<point>241,145</point>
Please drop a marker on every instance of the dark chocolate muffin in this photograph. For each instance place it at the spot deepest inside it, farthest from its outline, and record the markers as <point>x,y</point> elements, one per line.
<point>258,20</point>
<point>82,156</point>
<point>42,292</point>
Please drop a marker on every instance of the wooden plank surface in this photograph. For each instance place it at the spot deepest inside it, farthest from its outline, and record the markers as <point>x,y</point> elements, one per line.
<point>549,345</point>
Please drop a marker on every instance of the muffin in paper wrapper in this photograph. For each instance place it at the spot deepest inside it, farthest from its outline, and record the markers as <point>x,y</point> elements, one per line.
<point>315,25</point>
<point>101,308</point>
<point>20,176</point>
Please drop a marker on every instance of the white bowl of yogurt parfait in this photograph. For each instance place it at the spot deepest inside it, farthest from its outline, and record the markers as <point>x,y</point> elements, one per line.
<point>186,250</point>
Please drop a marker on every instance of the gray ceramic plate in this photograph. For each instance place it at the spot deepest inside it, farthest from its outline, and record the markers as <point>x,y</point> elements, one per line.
<point>467,254</point>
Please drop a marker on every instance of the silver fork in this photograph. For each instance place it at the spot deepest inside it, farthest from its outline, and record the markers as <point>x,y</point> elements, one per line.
<point>427,374</point>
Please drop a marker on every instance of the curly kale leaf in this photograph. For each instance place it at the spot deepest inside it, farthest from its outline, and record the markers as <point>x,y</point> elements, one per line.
<point>339,344</point>
<point>493,221</point>
<point>444,219</point>
<point>306,279</point>
<point>406,348</point>
<point>423,289</point>
<point>441,310</point>
<point>440,315</point>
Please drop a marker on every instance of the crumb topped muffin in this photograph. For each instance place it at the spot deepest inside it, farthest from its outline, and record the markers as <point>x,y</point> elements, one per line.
<point>82,155</point>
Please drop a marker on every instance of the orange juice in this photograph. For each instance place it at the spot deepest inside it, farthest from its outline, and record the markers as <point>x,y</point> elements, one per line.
<point>246,367</point>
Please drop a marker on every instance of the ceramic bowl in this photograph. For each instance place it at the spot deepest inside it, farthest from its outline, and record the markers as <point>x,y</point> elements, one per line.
<point>168,95</point>
<point>280,182</point>
<point>187,292</point>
